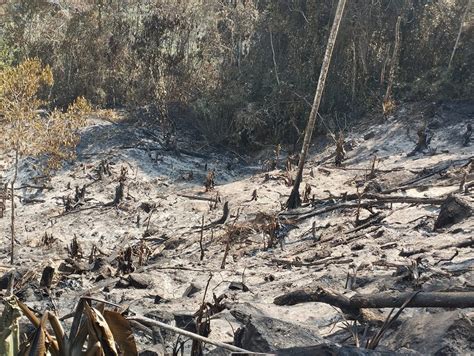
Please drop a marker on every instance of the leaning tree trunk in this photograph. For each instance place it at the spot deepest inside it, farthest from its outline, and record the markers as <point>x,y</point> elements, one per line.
<point>468,8</point>
<point>294,200</point>
<point>387,104</point>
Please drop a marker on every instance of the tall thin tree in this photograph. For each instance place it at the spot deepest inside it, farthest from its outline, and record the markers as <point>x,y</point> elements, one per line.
<point>294,200</point>
<point>463,19</point>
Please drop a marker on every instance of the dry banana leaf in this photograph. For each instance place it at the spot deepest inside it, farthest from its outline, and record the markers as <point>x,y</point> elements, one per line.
<point>99,329</point>
<point>39,346</point>
<point>54,348</point>
<point>122,332</point>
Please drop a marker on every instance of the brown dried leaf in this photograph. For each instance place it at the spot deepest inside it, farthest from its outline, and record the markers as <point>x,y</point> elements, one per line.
<point>37,322</point>
<point>122,332</point>
<point>39,345</point>
<point>99,328</point>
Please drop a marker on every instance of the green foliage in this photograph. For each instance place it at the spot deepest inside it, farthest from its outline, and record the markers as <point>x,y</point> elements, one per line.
<point>7,54</point>
<point>244,65</point>
<point>24,128</point>
<point>9,328</point>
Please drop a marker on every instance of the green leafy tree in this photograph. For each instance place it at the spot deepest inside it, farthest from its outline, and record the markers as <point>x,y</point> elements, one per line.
<point>25,131</point>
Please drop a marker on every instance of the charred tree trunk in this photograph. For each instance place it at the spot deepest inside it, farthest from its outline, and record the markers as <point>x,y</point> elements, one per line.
<point>378,300</point>
<point>119,193</point>
<point>466,138</point>
<point>294,200</point>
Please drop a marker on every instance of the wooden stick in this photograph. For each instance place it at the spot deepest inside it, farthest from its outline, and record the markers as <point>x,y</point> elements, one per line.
<point>323,261</point>
<point>375,199</point>
<point>196,197</point>
<point>435,170</point>
<point>144,320</point>
<point>39,187</point>
<point>376,170</point>
<point>375,219</point>
<point>200,239</point>
<point>415,186</point>
<point>307,214</point>
<point>407,200</point>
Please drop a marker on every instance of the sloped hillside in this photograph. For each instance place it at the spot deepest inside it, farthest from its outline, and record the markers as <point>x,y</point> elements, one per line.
<point>133,223</point>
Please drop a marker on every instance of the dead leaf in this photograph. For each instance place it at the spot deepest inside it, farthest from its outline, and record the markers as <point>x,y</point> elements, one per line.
<point>38,345</point>
<point>99,328</point>
<point>122,332</point>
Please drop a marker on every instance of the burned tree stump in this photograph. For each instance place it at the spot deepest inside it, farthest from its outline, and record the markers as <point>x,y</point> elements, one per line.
<point>453,210</point>
<point>466,138</point>
<point>118,195</point>
<point>103,169</point>
<point>254,195</point>
<point>307,193</point>
<point>340,151</point>
<point>47,277</point>
<point>78,200</point>
<point>424,140</point>
<point>210,180</point>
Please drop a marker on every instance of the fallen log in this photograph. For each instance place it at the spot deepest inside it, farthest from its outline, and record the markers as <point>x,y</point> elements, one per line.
<point>374,219</point>
<point>77,210</point>
<point>197,197</point>
<point>398,199</point>
<point>298,215</point>
<point>320,295</point>
<point>461,244</point>
<point>192,154</point>
<point>370,200</point>
<point>356,237</point>
<point>421,300</point>
<point>379,300</point>
<point>408,253</point>
<point>416,186</point>
<point>26,201</point>
<point>38,187</point>
<point>429,248</point>
<point>324,261</point>
<point>407,200</point>
<point>396,169</point>
<point>438,169</point>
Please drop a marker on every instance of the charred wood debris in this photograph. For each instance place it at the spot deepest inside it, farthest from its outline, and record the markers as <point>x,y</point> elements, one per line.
<point>127,266</point>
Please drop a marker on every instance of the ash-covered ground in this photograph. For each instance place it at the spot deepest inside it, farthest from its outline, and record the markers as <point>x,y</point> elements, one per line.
<point>144,253</point>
